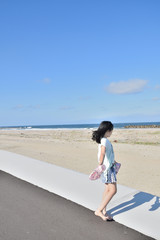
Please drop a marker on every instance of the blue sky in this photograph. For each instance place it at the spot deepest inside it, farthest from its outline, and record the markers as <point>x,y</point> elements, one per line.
<point>79,61</point>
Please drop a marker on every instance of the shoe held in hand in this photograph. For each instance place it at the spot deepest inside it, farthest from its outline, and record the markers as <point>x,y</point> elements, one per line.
<point>97,172</point>
<point>117,167</point>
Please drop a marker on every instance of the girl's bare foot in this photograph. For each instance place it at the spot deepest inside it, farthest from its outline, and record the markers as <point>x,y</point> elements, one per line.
<point>100,214</point>
<point>104,212</point>
<point>107,216</point>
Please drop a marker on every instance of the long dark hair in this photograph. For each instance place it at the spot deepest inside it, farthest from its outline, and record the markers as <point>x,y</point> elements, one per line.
<point>103,128</point>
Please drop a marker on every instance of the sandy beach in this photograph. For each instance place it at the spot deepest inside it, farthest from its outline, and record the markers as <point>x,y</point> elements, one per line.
<point>138,150</point>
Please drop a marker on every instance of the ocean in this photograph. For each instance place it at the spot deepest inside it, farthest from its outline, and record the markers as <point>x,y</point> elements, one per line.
<point>74,126</point>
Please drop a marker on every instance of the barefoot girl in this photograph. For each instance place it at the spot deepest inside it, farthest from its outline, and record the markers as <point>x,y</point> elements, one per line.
<point>106,157</point>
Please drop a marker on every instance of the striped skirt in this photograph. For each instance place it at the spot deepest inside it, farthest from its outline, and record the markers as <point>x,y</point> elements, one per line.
<point>110,176</point>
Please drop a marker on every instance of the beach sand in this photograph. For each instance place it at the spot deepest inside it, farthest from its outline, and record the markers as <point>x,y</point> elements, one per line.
<point>138,150</point>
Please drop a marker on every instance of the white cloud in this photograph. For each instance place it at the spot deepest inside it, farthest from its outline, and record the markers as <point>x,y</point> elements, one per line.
<point>84,98</point>
<point>64,108</point>
<point>33,106</point>
<point>22,107</point>
<point>156,98</point>
<point>157,87</point>
<point>46,80</point>
<point>126,87</point>
<point>19,106</point>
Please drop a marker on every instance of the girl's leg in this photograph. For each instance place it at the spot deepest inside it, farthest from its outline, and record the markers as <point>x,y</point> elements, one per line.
<point>112,189</point>
<point>102,214</point>
<point>103,197</point>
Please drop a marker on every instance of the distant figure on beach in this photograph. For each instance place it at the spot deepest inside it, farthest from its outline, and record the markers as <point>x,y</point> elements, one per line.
<point>106,157</point>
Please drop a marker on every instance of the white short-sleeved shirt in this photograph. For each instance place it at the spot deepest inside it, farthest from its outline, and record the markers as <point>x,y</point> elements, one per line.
<point>109,154</point>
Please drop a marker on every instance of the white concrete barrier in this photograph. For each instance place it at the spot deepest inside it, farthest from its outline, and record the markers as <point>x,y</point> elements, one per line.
<point>135,209</point>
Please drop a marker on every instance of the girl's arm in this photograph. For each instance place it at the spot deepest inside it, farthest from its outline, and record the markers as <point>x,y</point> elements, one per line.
<point>103,150</point>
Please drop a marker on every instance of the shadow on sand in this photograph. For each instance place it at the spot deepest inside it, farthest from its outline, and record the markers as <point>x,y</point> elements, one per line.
<point>137,200</point>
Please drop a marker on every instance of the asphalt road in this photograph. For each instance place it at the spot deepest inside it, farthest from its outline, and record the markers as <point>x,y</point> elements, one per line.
<point>28,212</point>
